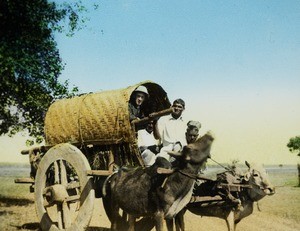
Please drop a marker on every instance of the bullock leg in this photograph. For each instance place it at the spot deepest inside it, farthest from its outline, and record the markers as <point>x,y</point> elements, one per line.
<point>114,220</point>
<point>230,221</point>
<point>124,216</point>
<point>169,223</point>
<point>179,220</point>
<point>112,211</point>
<point>113,226</point>
<point>131,222</point>
<point>145,224</point>
<point>160,222</point>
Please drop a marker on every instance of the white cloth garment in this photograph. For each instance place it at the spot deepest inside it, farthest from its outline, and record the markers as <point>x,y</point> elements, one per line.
<point>148,157</point>
<point>171,130</point>
<point>146,139</point>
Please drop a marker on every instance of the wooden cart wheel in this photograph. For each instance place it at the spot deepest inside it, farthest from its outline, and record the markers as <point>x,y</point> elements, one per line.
<point>64,194</point>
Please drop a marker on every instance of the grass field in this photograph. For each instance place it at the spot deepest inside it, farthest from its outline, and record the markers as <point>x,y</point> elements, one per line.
<point>279,212</point>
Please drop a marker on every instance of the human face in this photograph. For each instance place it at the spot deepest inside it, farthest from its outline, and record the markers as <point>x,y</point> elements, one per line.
<point>139,98</point>
<point>149,127</point>
<point>192,135</point>
<point>178,109</point>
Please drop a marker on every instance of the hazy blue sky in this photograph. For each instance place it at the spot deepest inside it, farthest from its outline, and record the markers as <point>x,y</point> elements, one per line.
<point>235,63</point>
<point>218,44</point>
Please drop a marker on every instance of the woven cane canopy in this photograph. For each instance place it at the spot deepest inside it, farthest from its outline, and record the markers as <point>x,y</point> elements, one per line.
<point>100,117</point>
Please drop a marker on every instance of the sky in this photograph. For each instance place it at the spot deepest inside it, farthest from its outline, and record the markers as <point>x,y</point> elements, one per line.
<point>235,63</point>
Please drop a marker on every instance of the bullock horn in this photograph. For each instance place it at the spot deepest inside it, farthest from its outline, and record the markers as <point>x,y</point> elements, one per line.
<point>248,165</point>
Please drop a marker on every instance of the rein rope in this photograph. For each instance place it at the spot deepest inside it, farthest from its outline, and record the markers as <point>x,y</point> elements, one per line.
<point>194,176</point>
<point>226,168</point>
<point>190,175</point>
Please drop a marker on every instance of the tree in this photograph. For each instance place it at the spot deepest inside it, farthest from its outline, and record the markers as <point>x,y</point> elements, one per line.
<point>30,62</point>
<point>294,146</point>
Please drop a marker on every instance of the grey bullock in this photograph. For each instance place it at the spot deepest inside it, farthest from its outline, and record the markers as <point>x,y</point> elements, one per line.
<point>145,193</point>
<point>259,186</point>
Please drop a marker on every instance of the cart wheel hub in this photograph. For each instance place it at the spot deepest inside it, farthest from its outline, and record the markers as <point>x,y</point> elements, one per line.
<point>56,194</point>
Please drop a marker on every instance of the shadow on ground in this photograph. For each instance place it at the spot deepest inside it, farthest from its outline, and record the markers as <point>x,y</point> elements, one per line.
<point>36,226</point>
<point>3,213</point>
<point>97,229</point>
<point>8,201</point>
<point>29,226</point>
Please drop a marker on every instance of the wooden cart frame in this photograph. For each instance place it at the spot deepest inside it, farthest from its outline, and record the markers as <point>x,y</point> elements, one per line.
<point>86,137</point>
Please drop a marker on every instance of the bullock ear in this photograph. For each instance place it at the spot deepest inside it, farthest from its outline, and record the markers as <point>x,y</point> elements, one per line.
<point>247,176</point>
<point>248,165</point>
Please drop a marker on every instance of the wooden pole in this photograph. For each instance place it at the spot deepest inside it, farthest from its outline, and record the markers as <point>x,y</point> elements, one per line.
<point>152,116</point>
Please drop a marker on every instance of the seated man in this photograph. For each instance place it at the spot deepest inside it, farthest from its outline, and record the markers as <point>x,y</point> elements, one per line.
<point>192,131</point>
<point>148,144</point>
<point>138,97</point>
<point>170,129</point>
<point>191,135</point>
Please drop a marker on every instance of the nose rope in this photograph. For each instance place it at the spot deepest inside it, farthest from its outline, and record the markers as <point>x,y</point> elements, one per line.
<point>226,168</point>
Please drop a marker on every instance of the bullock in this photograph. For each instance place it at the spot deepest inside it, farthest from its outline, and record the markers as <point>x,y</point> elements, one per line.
<point>143,192</point>
<point>257,185</point>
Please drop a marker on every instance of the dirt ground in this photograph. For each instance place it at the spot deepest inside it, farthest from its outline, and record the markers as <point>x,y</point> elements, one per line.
<point>20,215</point>
<point>278,212</point>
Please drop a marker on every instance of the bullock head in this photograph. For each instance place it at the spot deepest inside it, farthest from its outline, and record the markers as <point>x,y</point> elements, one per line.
<point>195,153</point>
<point>258,179</point>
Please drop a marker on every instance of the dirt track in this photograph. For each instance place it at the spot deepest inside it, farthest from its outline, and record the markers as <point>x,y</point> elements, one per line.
<point>20,214</point>
<point>257,221</point>
<point>279,212</point>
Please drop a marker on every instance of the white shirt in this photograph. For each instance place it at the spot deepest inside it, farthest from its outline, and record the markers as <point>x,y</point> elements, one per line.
<point>171,130</point>
<point>146,139</point>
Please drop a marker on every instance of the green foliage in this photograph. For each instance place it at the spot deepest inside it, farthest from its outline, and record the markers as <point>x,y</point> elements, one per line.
<point>294,144</point>
<point>30,61</point>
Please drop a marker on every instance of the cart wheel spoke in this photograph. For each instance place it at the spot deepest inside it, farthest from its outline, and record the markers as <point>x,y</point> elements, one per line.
<point>66,215</point>
<point>73,185</point>
<point>56,173</point>
<point>73,198</point>
<point>59,216</point>
<point>63,173</point>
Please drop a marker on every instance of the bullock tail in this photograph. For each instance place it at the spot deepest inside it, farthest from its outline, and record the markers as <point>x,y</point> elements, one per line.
<point>106,189</point>
<point>107,197</point>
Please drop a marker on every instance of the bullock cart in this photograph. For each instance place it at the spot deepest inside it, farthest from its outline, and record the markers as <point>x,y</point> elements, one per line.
<point>86,138</point>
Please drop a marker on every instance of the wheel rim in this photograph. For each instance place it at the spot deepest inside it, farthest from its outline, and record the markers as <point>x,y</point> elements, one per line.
<point>63,191</point>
